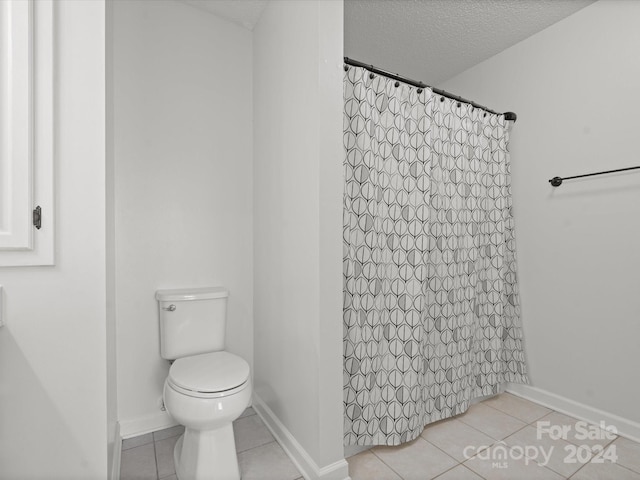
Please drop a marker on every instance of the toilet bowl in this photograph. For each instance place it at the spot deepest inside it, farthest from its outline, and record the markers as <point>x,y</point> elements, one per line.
<point>206,393</point>
<point>207,388</point>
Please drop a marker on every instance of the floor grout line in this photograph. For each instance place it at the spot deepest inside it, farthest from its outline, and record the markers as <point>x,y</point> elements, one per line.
<point>447,470</point>
<point>131,448</point>
<point>237,451</point>
<point>518,418</point>
<point>447,454</point>
<point>385,463</point>
<point>576,472</point>
<point>257,446</point>
<point>425,440</point>
<point>155,456</point>
<point>609,442</point>
<point>473,471</point>
<point>627,468</point>
<point>493,438</point>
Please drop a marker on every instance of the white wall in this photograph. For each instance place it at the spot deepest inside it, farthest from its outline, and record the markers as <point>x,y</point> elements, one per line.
<point>574,88</point>
<point>183,182</point>
<point>113,432</point>
<point>298,158</point>
<point>53,360</point>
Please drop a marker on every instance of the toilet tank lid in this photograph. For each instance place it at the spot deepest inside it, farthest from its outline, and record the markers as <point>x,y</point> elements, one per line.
<point>186,294</point>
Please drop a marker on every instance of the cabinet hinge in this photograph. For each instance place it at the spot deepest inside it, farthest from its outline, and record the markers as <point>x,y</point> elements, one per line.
<point>37,217</point>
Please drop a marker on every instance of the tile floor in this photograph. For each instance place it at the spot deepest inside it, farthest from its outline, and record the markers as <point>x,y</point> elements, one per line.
<point>471,446</point>
<point>503,440</point>
<point>150,456</point>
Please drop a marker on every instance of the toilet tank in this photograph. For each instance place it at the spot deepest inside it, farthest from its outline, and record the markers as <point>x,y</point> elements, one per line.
<point>192,321</point>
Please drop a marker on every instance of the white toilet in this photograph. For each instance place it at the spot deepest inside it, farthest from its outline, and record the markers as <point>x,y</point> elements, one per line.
<point>207,388</point>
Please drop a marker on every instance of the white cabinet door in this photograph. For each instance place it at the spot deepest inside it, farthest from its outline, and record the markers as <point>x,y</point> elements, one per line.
<point>26,131</point>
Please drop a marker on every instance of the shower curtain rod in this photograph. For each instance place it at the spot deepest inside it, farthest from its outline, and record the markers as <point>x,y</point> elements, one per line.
<point>557,181</point>
<point>349,61</point>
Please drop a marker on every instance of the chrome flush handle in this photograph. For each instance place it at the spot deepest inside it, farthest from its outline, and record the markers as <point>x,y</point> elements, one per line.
<point>170,308</point>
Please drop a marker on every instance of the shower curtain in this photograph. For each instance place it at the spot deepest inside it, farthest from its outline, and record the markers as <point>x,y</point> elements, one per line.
<point>431,308</point>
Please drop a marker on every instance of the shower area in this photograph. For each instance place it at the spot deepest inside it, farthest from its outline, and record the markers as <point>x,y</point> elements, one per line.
<point>431,306</point>
<point>365,225</point>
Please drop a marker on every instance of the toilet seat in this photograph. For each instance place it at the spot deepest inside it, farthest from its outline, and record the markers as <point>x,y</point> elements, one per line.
<point>205,395</point>
<point>209,375</point>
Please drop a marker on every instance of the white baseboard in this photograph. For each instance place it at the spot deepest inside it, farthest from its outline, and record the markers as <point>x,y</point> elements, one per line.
<point>142,425</point>
<point>626,428</point>
<point>298,455</point>
<point>117,454</point>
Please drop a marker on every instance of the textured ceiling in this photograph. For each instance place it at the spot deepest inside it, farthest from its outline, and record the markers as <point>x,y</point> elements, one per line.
<point>427,40</point>
<point>434,40</point>
<point>242,12</point>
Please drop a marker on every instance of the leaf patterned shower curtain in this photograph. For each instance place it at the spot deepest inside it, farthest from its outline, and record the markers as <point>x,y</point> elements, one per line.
<point>431,308</point>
